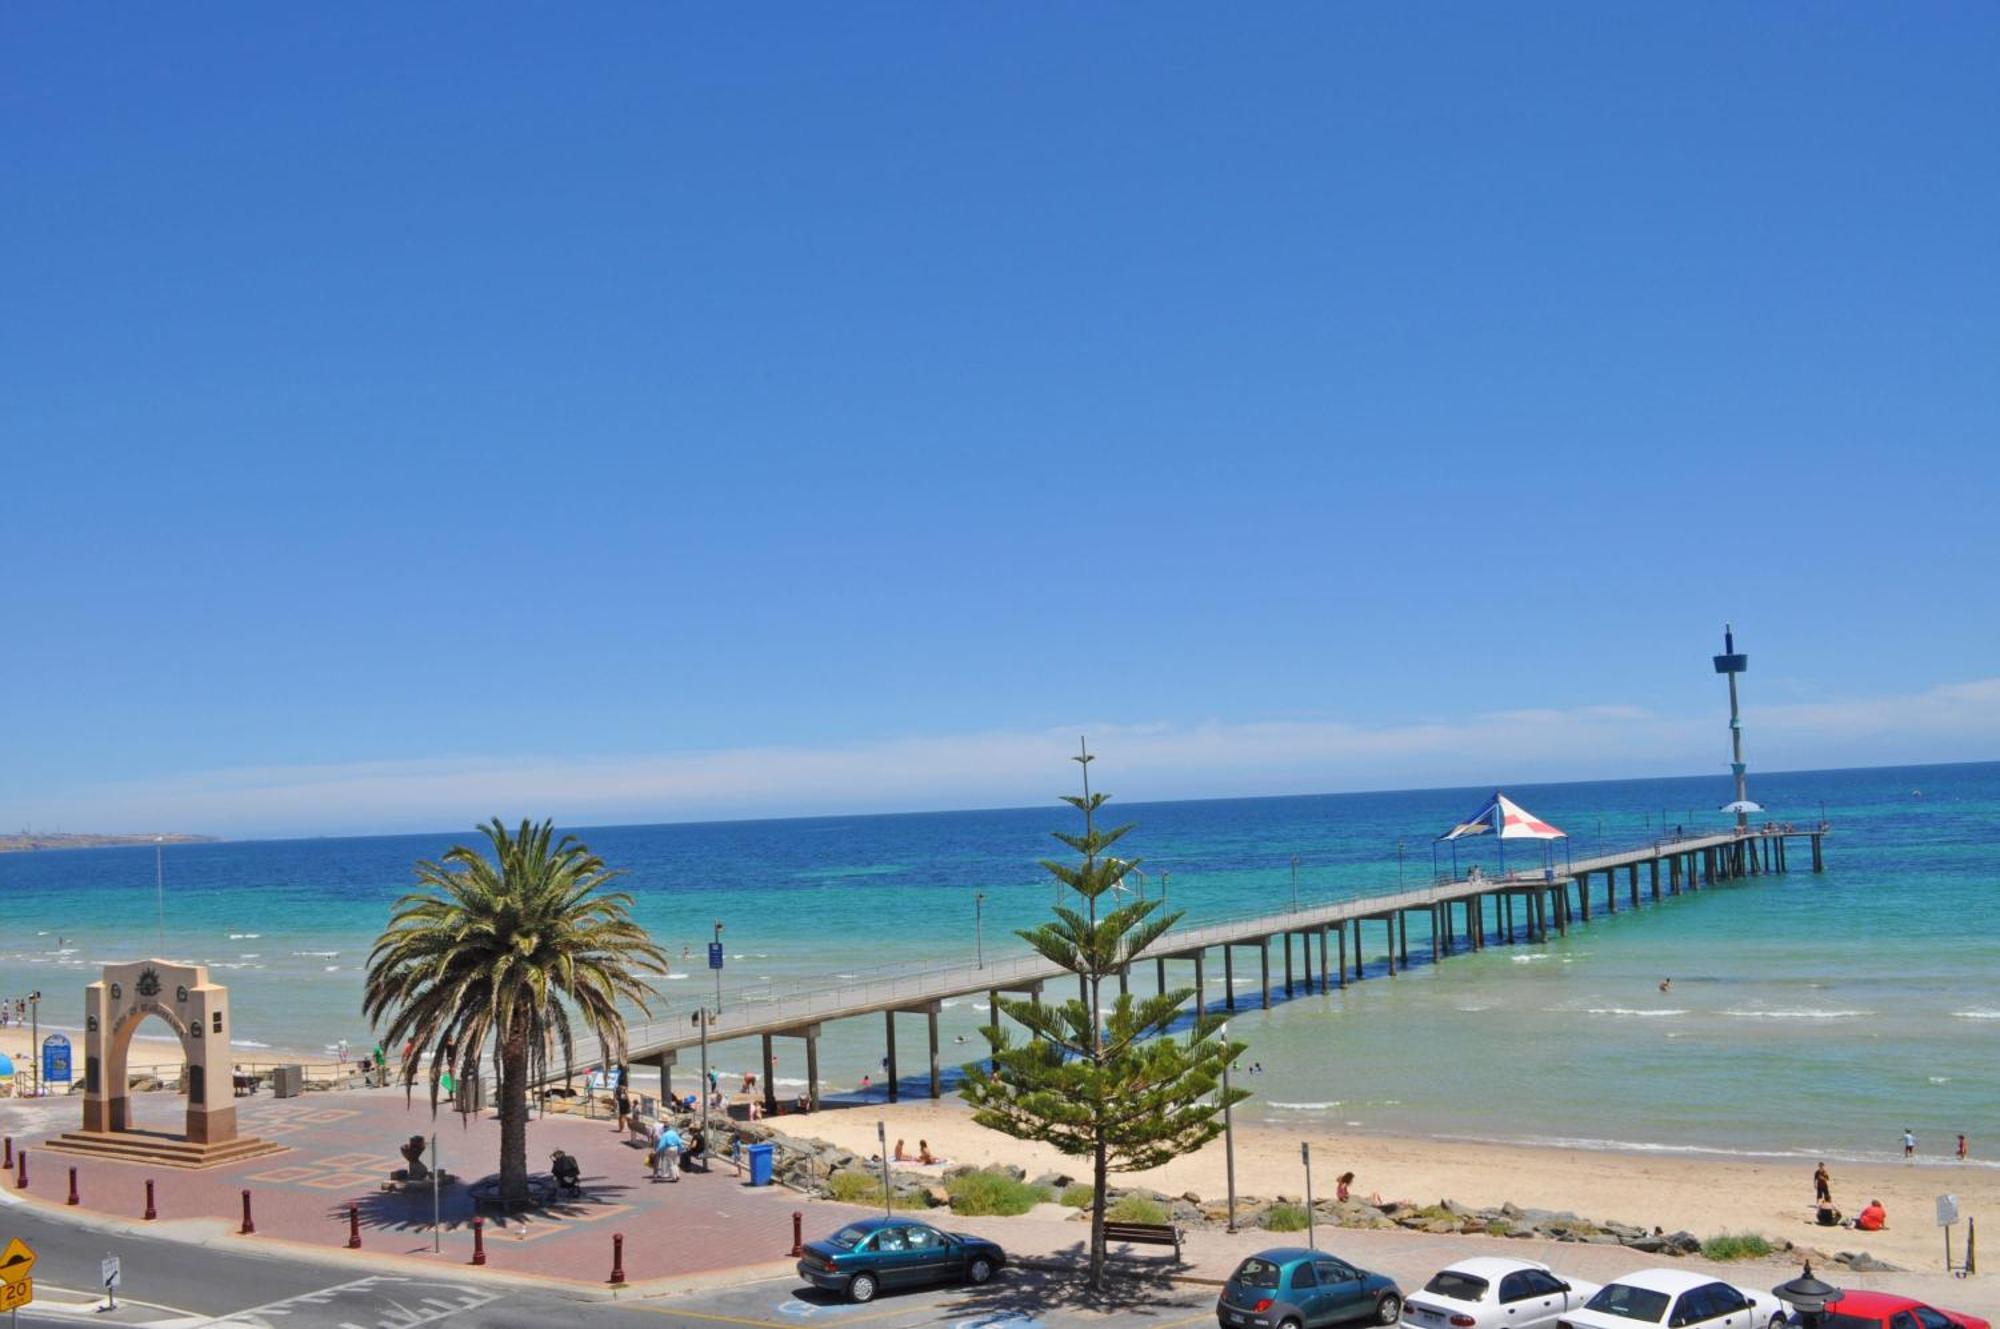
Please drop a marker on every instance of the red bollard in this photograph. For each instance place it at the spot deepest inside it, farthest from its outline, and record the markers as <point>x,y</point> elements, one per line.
<point>354,1227</point>
<point>479,1241</point>
<point>248,1226</point>
<point>617,1259</point>
<point>21,1179</point>
<point>73,1198</point>
<point>9,1160</point>
<point>151,1212</point>
<point>798,1234</point>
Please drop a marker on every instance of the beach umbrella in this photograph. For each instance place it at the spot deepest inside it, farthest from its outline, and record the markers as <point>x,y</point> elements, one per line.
<point>1741,805</point>
<point>6,1064</point>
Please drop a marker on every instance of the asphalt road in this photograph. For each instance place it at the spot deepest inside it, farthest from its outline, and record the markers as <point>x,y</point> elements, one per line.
<point>175,1285</point>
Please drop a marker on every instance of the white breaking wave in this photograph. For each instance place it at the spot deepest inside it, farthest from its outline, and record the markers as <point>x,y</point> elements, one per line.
<point>1526,959</point>
<point>1977,1013</point>
<point>1796,1015</point>
<point>315,955</point>
<point>1626,1010</point>
<point>1305,1107</point>
<point>1940,1079</point>
<point>245,936</point>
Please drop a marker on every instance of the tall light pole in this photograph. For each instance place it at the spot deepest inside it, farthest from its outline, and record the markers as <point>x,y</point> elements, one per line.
<point>701,1016</point>
<point>1228,1129</point>
<point>1163,888</point>
<point>1306,1157</point>
<point>1295,885</point>
<point>978,943</point>
<point>1732,663</point>
<point>35,1037</point>
<point>1399,865</point>
<point>715,963</point>
<point>160,888</point>
<point>882,1139</point>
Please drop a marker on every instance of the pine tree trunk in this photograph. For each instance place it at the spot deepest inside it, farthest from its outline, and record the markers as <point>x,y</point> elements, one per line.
<point>1100,1175</point>
<point>513,1098</point>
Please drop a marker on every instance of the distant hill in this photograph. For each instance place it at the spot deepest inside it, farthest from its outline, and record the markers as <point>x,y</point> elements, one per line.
<point>28,840</point>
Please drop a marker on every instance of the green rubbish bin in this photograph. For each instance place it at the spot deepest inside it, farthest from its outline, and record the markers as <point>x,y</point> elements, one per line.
<point>762,1159</point>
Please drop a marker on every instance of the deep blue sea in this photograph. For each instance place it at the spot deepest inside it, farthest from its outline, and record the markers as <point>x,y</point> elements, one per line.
<point>1819,1014</point>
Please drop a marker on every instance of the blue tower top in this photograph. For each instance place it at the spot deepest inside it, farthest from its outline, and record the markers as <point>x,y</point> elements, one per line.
<point>1729,662</point>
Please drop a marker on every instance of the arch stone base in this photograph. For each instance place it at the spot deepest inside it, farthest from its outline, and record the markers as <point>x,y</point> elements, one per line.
<point>198,1012</point>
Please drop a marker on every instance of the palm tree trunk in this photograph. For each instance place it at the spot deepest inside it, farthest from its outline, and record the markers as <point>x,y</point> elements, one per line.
<point>513,1098</point>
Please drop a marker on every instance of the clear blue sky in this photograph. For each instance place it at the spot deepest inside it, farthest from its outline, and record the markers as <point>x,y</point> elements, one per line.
<point>514,386</point>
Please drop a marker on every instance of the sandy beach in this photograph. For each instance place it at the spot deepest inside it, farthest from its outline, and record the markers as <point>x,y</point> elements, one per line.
<point>1702,1195</point>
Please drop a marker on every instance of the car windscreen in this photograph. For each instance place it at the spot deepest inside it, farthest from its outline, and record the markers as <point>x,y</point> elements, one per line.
<point>1460,1287</point>
<point>1256,1273</point>
<point>848,1238</point>
<point>1634,1303</point>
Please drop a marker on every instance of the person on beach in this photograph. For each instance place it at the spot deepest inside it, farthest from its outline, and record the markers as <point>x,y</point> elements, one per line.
<point>924,1153</point>
<point>1961,1146</point>
<point>1827,1216</point>
<point>1872,1219</point>
<point>1341,1184</point>
<point>1909,1143</point>
<point>901,1155</point>
<point>1822,1184</point>
<point>621,1099</point>
<point>1666,983</point>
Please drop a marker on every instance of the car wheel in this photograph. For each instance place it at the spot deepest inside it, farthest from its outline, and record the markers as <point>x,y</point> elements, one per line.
<point>980,1269</point>
<point>861,1287</point>
<point>1290,1324</point>
<point>1778,1321</point>
<point>1389,1309</point>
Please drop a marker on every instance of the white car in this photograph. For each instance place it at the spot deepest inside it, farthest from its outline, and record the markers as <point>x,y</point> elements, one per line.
<point>1494,1293</point>
<point>1675,1299</point>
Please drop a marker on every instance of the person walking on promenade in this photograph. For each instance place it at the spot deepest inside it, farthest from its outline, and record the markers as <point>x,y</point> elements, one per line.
<point>622,1099</point>
<point>667,1147</point>
<point>1909,1143</point>
<point>1822,1185</point>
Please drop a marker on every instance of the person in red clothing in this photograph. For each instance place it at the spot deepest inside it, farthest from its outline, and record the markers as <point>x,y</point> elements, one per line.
<point>1872,1219</point>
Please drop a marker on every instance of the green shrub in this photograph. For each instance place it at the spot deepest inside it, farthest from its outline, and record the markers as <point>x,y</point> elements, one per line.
<point>861,1188</point>
<point>979,1193</point>
<point>1078,1196</point>
<point>1136,1208</point>
<point>1736,1246</point>
<point>1286,1218</point>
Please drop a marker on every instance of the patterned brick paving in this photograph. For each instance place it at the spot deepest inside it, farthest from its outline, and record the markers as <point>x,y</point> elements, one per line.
<point>341,1148</point>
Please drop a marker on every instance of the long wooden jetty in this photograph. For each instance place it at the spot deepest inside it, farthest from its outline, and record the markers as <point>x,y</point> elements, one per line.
<point>1466,914</point>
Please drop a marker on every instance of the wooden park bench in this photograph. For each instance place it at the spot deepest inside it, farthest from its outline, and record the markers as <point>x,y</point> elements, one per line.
<point>1145,1234</point>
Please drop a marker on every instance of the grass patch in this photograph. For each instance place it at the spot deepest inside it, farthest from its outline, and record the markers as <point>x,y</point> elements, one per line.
<point>1736,1246</point>
<point>1078,1196</point>
<point>980,1193</point>
<point>1498,1227</point>
<point>860,1188</point>
<point>1135,1208</point>
<point>1285,1218</point>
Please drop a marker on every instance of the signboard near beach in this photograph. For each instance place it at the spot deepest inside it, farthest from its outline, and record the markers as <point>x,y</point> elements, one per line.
<point>55,1059</point>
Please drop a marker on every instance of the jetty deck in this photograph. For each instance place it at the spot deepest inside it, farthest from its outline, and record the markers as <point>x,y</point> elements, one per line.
<point>1466,914</point>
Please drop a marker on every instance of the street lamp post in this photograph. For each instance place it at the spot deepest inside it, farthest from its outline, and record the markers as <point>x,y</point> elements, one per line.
<point>160,889</point>
<point>882,1139</point>
<point>1228,1129</point>
<point>701,1016</point>
<point>35,1037</point>
<point>1295,885</point>
<point>1399,865</point>
<point>978,942</point>
<point>717,966</point>
<point>1306,1157</point>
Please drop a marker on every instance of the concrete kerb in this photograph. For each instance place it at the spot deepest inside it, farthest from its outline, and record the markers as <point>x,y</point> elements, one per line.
<point>202,1232</point>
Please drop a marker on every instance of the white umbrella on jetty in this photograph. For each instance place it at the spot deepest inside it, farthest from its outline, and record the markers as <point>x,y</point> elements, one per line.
<point>1741,805</point>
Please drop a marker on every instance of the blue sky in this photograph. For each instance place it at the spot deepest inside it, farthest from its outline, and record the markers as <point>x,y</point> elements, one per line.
<point>654,411</point>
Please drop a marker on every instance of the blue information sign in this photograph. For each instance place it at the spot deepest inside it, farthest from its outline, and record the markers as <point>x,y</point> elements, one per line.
<point>55,1059</point>
<point>715,955</point>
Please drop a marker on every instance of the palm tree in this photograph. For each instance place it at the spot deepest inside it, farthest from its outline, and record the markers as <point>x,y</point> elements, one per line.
<point>521,951</point>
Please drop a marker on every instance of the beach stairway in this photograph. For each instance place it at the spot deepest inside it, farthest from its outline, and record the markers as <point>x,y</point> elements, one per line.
<point>158,1149</point>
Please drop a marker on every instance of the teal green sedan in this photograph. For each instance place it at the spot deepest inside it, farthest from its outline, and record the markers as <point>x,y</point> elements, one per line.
<point>879,1254</point>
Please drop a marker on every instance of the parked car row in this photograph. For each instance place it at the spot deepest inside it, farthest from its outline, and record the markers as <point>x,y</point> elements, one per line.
<point>1293,1287</point>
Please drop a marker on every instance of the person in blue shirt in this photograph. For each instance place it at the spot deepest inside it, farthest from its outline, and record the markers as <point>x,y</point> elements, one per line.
<point>667,1152</point>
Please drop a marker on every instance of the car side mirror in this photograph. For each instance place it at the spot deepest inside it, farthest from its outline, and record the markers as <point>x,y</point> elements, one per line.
<point>1564,1286</point>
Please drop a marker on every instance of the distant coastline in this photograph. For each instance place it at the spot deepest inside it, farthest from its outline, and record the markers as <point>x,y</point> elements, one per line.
<point>27,842</point>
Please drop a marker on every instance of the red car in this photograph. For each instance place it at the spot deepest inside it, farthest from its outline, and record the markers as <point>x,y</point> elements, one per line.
<point>1886,1310</point>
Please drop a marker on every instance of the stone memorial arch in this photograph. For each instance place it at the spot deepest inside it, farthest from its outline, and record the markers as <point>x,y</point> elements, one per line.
<point>197,1010</point>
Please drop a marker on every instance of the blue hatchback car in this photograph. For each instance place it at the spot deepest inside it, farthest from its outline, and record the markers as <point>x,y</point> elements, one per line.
<point>875,1254</point>
<point>1291,1287</point>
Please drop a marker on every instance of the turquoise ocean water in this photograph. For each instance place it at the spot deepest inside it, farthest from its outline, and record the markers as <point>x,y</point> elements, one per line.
<point>1810,1014</point>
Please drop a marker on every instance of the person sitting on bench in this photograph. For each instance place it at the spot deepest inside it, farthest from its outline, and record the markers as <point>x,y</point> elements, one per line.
<point>694,1150</point>
<point>568,1175</point>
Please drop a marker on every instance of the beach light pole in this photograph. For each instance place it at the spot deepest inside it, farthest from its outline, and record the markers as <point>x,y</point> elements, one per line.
<point>1732,663</point>
<point>160,888</point>
<point>882,1139</point>
<point>1306,1157</point>
<point>1295,885</point>
<point>978,941</point>
<point>1399,865</point>
<point>1163,888</point>
<point>35,1037</point>
<point>1228,1129</point>
<point>701,1017</point>
<point>715,963</point>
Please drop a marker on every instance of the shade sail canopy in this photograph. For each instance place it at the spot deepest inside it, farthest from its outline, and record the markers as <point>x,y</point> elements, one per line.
<point>1506,818</point>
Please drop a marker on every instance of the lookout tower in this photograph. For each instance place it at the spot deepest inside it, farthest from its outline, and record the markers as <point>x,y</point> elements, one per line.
<point>1731,663</point>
